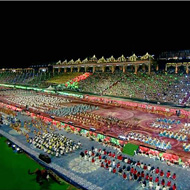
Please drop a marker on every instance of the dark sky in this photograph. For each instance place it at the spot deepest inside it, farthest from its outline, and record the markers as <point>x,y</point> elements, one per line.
<point>45,32</point>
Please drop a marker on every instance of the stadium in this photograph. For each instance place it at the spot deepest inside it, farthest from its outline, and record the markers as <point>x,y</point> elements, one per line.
<point>102,123</point>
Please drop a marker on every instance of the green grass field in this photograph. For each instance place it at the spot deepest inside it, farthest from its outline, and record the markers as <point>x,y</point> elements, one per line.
<point>129,149</point>
<point>14,172</point>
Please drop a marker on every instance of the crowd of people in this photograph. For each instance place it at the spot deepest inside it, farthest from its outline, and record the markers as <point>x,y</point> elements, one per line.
<point>130,169</point>
<point>185,129</point>
<point>7,111</point>
<point>149,140</point>
<point>168,121</point>
<point>171,88</point>
<point>72,110</point>
<point>24,78</point>
<point>158,125</point>
<point>160,87</point>
<point>54,144</point>
<point>164,123</point>
<point>174,135</point>
<point>186,147</point>
<point>32,99</point>
<point>98,82</point>
<point>96,121</point>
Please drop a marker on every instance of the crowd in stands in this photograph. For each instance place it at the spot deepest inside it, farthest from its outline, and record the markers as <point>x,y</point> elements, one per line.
<point>149,140</point>
<point>174,135</point>
<point>130,169</point>
<point>98,82</point>
<point>170,88</point>
<point>157,87</point>
<point>73,110</point>
<point>25,78</point>
<point>54,144</point>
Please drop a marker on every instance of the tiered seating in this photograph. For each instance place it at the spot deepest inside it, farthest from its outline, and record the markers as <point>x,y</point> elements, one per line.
<point>63,78</point>
<point>99,82</point>
<point>160,87</point>
<point>171,88</point>
<point>7,77</point>
<point>38,78</point>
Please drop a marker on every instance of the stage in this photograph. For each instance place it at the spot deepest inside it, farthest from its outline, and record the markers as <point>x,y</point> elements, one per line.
<point>138,121</point>
<point>83,173</point>
<point>129,119</point>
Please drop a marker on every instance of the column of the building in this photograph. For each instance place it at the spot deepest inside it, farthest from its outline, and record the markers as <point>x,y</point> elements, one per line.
<point>65,69</point>
<point>187,68</point>
<point>85,68</point>
<point>149,68</point>
<point>53,71</point>
<point>78,69</point>
<point>176,68</point>
<point>157,67</point>
<point>71,69</point>
<point>124,68</point>
<point>166,67</point>
<point>94,68</point>
<point>143,67</point>
<point>103,69</point>
<point>113,69</point>
<point>59,69</point>
<point>136,68</point>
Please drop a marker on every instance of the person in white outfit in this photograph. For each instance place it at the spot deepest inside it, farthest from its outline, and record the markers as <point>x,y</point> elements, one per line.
<point>158,186</point>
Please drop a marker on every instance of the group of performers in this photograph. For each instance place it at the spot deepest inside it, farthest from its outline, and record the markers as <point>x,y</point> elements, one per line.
<point>72,110</point>
<point>174,135</point>
<point>130,169</point>
<point>54,144</point>
<point>169,121</point>
<point>186,147</point>
<point>149,140</point>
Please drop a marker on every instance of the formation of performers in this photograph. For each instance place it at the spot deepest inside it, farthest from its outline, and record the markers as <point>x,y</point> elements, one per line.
<point>160,126</point>
<point>174,135</point>
<point>130,169</point>
<point>185,129</point>
<point>35,100</point>
<point>169,121</point>
<point>99,122</point>
<point>7,112</point>
<point>186,147</point>
<point>149,140</point>
<point>54,144</point>
<point>164,123</point>
<point>72,110</point>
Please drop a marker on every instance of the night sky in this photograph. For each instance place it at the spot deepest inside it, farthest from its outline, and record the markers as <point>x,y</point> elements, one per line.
<point>44,32</point>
